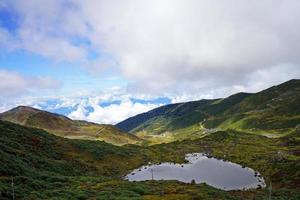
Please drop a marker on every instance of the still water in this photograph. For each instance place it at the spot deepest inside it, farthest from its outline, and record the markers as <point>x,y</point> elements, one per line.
<point>217,173</point>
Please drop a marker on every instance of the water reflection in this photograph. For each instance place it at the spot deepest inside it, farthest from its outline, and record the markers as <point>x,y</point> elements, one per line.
<point>217,173</point>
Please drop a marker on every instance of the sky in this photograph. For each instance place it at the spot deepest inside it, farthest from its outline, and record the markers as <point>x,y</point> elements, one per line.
<point>107,60</point>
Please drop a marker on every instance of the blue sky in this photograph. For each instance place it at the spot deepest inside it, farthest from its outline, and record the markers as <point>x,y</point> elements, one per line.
<point>104,61</point>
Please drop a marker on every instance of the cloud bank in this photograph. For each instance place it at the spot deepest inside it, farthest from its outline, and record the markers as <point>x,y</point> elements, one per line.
<point>107,107</point>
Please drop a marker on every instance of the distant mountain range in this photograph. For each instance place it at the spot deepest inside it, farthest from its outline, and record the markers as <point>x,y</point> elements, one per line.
<point>62,126</point>
<point>273,112</point>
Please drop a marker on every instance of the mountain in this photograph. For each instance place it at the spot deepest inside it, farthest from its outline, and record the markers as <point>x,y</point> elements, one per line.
<point>273,112</point>
<point>62,126</point>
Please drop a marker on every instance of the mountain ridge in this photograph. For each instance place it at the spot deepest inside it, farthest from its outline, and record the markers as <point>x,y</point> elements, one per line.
<point>273,112</point>
<point>61,125</point>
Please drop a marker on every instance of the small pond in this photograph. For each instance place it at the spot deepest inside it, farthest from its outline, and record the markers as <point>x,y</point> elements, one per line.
<point>202,169</point>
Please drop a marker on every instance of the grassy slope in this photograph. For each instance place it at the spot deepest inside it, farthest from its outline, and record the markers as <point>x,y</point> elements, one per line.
<point>274,112</point>
<point>45,166</point>
<point>63,126</point>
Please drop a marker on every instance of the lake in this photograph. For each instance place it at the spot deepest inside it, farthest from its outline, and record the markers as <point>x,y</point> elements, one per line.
<point>220,174</point>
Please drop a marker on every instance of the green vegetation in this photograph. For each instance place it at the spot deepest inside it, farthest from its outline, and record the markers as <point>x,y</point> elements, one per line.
<point>45,166</point>
<point>62,126</point>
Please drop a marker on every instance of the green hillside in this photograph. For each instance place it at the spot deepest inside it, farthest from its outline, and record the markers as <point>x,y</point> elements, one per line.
<point>44,166</point>
<point>273,112</point>
<point>62,126</point>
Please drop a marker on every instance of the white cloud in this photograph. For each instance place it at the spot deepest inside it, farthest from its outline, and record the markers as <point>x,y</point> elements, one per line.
<point>43,28</point>
<point>117,112</point>
<point>79,114</point>
<point>6,40</point>
<point>52,47</point>
<point>176,47</point>
<point>111,114</point>
<point>14,84</point>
